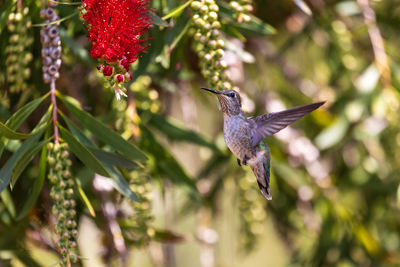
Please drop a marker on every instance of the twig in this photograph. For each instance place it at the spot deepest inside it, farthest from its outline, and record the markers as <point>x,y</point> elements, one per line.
<point>376,41</point>
<point>54,103</point>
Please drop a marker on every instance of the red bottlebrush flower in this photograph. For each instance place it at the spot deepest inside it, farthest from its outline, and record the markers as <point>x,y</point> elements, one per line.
<point>115,27</point>
<point>108,70</point>
<point>119,78</point>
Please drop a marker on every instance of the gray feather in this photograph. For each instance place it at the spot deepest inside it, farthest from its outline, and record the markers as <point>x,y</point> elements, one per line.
<point>271,123</point>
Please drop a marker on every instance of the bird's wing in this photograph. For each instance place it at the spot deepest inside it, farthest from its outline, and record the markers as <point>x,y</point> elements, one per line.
<point>271,123</point>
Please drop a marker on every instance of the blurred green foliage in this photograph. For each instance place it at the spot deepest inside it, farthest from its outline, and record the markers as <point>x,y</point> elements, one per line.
<point>335,174</point>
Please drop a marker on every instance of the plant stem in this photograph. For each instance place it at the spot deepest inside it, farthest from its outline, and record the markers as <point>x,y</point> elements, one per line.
<point>54,103</point>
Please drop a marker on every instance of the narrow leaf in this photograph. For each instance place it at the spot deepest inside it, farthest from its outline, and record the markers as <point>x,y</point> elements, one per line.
<point>104,156</point>
<point>255,27</point>
<point>5,172</point>
<point>174,131</point>
<point>85,199</point>
<point>83,153</point>
<point>11,134</point>
<point>120,184</point>
<point>164,163</point>
<point>6,10</point>
<point>102,132</point>
<point>37,186</point>
<point>176,12</point>
<point>8,202</point>
<point>56,21</point>
<point>19,117</point>
<point>24,161</point>
<point>113,159</point>
<point>76,131</point>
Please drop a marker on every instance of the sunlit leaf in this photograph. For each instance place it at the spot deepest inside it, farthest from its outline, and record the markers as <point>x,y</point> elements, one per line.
<point>84,198</point>
<point>8,202</point>
<point>176,12</point>
<point>10,134</point>
<point>333,134</point>
<point>303,6</point>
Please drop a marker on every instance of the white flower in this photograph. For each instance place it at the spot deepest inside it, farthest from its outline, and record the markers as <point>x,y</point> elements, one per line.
<point>119,93</point>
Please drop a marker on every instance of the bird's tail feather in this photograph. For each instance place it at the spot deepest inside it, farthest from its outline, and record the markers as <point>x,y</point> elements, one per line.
<point>262,171</point>
<point>262,175</point>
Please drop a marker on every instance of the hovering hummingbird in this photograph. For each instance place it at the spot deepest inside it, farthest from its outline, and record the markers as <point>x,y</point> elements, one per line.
<point>244,136</point>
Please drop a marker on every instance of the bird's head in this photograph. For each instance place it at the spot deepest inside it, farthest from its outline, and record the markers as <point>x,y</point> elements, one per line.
<point>229,100</point>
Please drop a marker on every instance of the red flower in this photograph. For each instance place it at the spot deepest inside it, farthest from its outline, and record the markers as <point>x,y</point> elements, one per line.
<point>108,71</point>
<point>115,27</point>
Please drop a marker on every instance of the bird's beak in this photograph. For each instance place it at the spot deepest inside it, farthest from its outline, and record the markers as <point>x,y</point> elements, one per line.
<point>211,90</point>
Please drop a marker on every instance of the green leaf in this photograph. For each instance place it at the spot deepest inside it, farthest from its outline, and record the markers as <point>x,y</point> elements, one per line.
<point>76,48</point>
<point>172,40</point>
<point>37,186</point>
<point>8,202</point>
<point>119,183</point>
<point>5,172</point>
<point>56,21</point>
<point>255,27</point>
<point>164,164</point>
<point>167,236</point>
<point>19,117</point>
<point>24,161</point>
<point>7,7</point>
<point>113,159</point>
<point>157,20</point>
<point>10,134</point>
<point>85,199</point>
<point>333,134</point>
<point>104,156</point>
<point>102,132</point>
<point>176,12</point>
<point>76,131</point>
<point>83,153</point>
<point>177,132</point>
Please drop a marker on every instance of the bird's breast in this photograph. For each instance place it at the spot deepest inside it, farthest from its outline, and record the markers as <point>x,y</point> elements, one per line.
<point>237,136</point>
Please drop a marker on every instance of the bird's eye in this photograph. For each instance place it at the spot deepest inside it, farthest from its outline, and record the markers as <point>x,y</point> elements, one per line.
<point>231,95</point>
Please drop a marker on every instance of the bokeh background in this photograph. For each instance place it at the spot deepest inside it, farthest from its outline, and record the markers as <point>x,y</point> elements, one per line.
<point>335,173</point>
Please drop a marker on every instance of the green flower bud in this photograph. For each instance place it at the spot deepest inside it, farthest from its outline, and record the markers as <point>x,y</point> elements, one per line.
<point>204,9</point>
<point>196,5</point>
<point>214,8</point>
<point>220,53</point>
<point>213,15</point>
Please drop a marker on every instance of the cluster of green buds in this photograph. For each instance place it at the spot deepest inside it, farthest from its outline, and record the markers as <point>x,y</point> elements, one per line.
<point>209,44</point>
<point>146,98</point>
<point>62,193</point>
<point>18,56</point>
<point>242,10</point>
<point>251,210</point>
<point>51,43</point>
<point>140,231</point>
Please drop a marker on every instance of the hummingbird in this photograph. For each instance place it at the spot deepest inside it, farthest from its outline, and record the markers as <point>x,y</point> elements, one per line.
<point>244,136</point>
